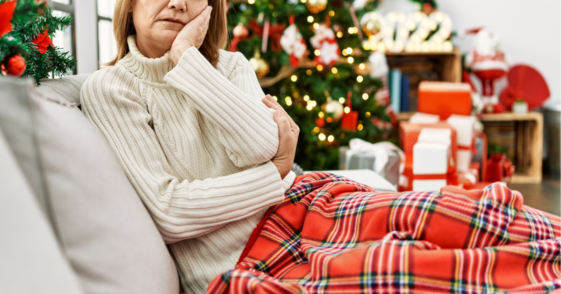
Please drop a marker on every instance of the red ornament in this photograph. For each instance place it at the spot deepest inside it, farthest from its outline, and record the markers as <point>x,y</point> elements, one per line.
<point>6,13</point>
<point>320,122</point>
<point>13,65</point>
<point>350,118</point>
<point>43,42</point>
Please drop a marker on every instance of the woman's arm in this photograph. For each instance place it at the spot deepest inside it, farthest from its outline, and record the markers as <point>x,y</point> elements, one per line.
<point>244,124</point>
<point>181,209</point>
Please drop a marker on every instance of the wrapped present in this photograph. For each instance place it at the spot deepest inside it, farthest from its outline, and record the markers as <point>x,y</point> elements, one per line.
<point>499,169</point>
<point>424,118</point>
<point>444,99</point>
<point>409,135</point>
<point>470,178</point>
<point>384,158</point>
<point>430,165</point>
<point>464,126</point>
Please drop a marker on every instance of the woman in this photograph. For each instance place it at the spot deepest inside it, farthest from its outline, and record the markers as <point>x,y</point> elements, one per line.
<point>191,132</point>
<point>209,153</point>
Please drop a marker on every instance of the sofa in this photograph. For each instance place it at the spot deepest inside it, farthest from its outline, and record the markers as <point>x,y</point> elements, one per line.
<point>70,222</point>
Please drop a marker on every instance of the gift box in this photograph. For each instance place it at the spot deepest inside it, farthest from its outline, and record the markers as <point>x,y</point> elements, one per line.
<point>444,99</point>
<point>430,165</point>
<point>480,155</point>
<point>424,118</point>
<point>499,169</point>
<point>409,135</point>
<point>469,179</point>
<point>384,158</point>
<point>464,126</point>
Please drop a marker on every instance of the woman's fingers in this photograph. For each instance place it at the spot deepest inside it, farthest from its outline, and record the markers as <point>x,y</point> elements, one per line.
<point>272,103</point>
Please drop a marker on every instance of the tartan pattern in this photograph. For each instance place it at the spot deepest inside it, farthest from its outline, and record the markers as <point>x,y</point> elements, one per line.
<point>333,235</point>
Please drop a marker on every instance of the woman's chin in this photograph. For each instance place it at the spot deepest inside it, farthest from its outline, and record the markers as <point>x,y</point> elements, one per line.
<point>166,36</point>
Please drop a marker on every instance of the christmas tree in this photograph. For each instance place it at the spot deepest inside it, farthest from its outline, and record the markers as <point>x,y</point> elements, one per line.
<point>26,48</point>
<point>309,55</point>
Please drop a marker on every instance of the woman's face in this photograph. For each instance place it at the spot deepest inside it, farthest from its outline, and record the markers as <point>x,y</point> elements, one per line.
<point>157,22</point>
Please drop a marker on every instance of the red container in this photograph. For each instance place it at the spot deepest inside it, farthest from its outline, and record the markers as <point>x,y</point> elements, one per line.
<point>444,99</point>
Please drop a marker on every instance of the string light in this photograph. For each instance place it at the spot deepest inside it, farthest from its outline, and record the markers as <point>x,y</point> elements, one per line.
<point>330,138</point>
<point>303,1</point>
<point>349,50</point>
<point>334,70</point>
<point>288,102</point>
<point>359,79</point>
<point>339,34</point>
<point>316,25</point>
<point>316,52</point>
<point>359,127</point>
<point>365,96</point>
<point>250,1</point>
<point>294,78</point>
<point>362,66</point>
<point>276,98</point>
<point>310,18</point>
<point>367,114</point>
<point>306,98</point>
<point>344,52</point>
<point>309,72</point>
<point>319,67</point>
<point>322,136</point>
<point>350,30</point>
<point>329,119</point>
<point>341,100</point>
<point>320,114</point>
<point>347,109</point>
<point>315,130</point>
<point>309,107</point>
<point>350,60</point>
<point>295,94</point>
<point>331,13</point>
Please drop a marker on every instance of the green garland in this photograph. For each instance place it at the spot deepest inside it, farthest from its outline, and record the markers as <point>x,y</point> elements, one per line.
<point>30,19</point>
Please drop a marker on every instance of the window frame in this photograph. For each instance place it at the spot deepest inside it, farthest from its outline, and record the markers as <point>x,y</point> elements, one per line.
<point>70,9</point>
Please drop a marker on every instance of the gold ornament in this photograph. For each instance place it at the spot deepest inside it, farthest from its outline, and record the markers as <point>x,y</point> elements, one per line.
<point>372,27</point>
<point>260,66</point>
<point>316,6</point>
<point>333,108</point>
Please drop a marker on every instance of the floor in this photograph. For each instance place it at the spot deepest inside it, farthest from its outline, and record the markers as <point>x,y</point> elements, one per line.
<point>545,196</point>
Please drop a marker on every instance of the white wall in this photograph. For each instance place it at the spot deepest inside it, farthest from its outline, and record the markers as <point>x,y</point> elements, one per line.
<point>85,13</point>
<point>530,31</point>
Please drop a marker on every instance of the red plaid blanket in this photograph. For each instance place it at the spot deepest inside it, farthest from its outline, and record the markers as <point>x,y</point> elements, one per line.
<point>333,235</point>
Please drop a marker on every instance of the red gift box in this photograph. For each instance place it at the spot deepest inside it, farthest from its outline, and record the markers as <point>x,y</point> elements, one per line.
<point>409,135</point>
<point>499,169</point>
<point>444,99</point>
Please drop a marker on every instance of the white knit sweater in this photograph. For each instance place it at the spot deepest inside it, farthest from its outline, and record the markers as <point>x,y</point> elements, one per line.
<point>196,143</point>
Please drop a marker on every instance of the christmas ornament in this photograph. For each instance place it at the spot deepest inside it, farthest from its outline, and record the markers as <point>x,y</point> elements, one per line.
<point>6,13</point>
<point>371,24</point>
<point>293,43</point>
<point>320,122</point>
<point>260,66</point>
<point>488,64</point>
<point>316,6</point>
<point>333,108</point>
<point>526,83</point>
<point>13,65</point>
<point>324,41</point>
<point>43,41</point>
<point>350,117</point>
<point>240,34</point>
<point>274,32</point>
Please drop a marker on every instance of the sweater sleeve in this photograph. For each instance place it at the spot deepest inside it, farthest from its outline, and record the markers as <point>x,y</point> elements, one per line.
<point>233,105</point>
<point>181,209</point>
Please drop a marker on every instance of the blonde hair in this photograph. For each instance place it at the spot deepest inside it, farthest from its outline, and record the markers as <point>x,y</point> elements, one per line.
<point>215,39</point>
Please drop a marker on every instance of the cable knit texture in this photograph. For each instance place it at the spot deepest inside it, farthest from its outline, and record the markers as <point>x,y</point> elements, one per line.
<point>196,143</point>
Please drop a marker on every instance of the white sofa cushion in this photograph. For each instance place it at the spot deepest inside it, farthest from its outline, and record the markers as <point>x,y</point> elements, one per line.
<point>103,228</point>
<point>31,259</point>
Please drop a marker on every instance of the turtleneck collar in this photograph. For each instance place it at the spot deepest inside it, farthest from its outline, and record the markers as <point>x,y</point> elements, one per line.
<point>150,69</point>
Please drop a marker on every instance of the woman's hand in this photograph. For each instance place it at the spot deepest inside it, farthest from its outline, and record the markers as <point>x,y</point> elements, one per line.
<point>192,34</point>
<point>288,137</point>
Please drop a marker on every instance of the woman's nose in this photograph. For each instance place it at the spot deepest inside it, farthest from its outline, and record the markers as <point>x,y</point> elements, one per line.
<point>180,5</point>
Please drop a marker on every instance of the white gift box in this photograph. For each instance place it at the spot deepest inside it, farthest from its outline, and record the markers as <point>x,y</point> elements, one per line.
<point>464,126</point>
<point>424,118</point>
<point>430,161</point>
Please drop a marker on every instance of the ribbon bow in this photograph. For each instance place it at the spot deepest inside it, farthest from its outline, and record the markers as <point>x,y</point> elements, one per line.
<point>275,33</point>
<point>381,152</point>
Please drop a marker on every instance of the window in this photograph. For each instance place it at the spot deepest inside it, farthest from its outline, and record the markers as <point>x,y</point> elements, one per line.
<point>106,38</point>
<point>64,38</point>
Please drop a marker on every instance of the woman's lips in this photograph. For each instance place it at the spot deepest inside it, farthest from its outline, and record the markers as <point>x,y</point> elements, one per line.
<point>171,20</point>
